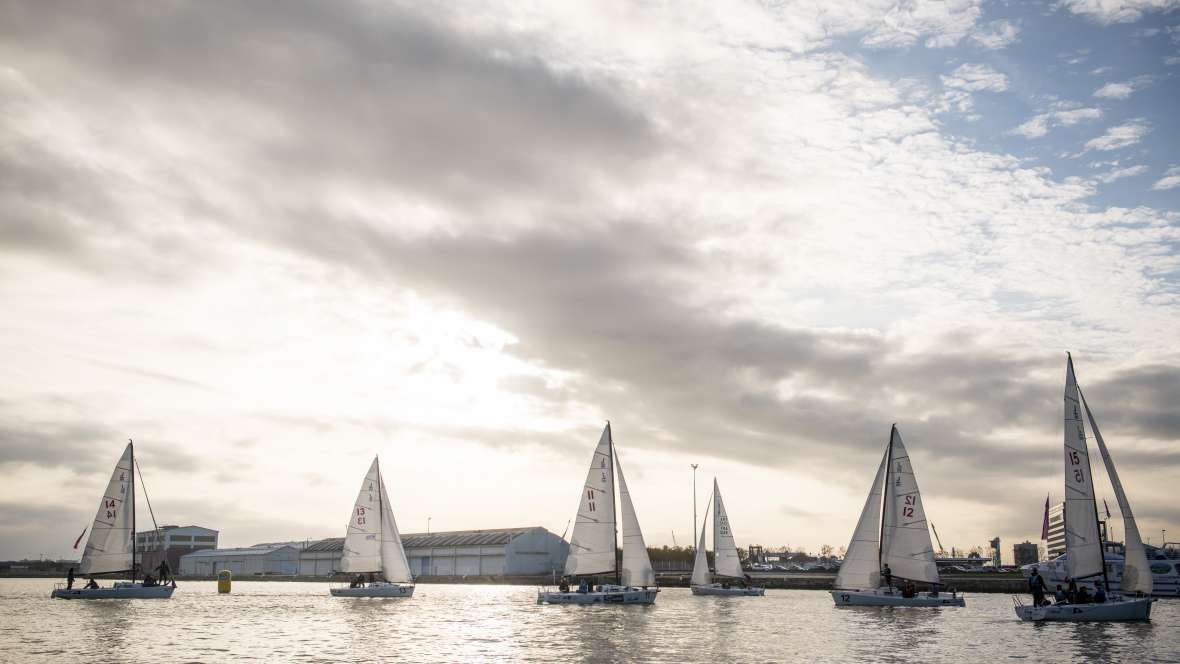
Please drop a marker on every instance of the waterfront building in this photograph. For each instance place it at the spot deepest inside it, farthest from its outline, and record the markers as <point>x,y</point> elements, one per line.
<point>1025,553</point>
<point>172,543</point>
<point>497,552</point>
<point>1055,543</point>
<point>251,561</point>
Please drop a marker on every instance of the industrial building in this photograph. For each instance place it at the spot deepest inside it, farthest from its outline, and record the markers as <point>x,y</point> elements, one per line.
<point>499,552</point>
<point>252,561</point>
<point>172,543</point>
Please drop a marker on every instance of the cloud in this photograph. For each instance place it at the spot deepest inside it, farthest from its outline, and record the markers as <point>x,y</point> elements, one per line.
<point>975,78</point>
<point>996,34</point>
<point>1172,61</point>
<point>943,24</point>
<point>1039,125</point>
<point>1171,180</point>
<point>1123,90</point>
<point>1107,12</point>
<point>1120,136</point>
<point>1120,173</point>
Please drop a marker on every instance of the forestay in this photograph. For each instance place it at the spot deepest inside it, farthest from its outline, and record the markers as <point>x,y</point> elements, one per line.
<point>1082,541</point>
<point>700,563</point>
<point>905,544</point>
<point>1136,570</point>
<point>862,566</point>
<point>109,547</point>
<point>592,544</point>
<point>637,569</point>
<point>726,561</point>
<point>362,541</point>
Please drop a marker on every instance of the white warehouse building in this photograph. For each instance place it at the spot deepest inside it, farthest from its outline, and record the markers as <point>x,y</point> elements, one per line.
<point>253,561</point>
<point>498,552</point>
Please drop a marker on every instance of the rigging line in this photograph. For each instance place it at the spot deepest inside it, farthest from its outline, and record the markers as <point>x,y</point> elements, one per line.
<point>143,486</point>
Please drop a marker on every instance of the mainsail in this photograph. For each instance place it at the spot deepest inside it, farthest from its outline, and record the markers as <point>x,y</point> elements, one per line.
<point>1136,571</point>
<point>592,544</point>
<point>362,542</point>
<point>110,546</point>
<point>861,569</point>
<point>637,570</point>
<point>700,563</point>
<point>726,561</point>
<point>1082,541</point>
<point>905,542</point>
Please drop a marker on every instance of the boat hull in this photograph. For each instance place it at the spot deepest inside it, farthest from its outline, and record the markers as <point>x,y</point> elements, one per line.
<point>732,591</point>
<point>608,595</point>
<point>120,591</point>
<point>889,597</point>
<point>375,590</point>
<point>1137,609</point>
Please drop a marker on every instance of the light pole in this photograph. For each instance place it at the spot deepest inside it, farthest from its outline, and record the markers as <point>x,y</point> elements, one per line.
<point>427,525</point>
<point>694,508</point>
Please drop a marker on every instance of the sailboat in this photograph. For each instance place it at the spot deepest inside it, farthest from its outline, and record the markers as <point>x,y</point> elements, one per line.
<point>891,532</point>
<point>726,562</point>
<point>373,550</point>
<point>594,540</point>
<point>1083,539</point>
<point>110,549</point>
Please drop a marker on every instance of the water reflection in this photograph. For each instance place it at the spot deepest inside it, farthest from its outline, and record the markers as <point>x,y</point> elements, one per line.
<point>264,621</point>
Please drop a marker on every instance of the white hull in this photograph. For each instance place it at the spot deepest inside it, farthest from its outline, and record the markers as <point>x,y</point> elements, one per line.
<point>893,597</point>
<point>608,595</point>
<point>120,591</point>
<point>1114,610</point>
<point>375,590</point>
<point>732,591</point>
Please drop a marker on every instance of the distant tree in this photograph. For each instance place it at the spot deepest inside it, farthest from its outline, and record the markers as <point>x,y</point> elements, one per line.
<point>825,551</point>
<point>842,551</point>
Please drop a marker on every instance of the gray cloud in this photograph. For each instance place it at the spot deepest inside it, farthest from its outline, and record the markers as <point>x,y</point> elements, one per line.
<point>612,304</point>
<point>299,95</point>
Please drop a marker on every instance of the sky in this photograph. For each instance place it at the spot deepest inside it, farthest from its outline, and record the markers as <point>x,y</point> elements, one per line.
<point>268,240</point>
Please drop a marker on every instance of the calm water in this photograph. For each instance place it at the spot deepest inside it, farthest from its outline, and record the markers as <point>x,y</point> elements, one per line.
<point>273,621</point>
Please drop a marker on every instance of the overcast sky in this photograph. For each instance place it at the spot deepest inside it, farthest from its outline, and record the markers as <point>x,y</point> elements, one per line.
<point>268,240</point>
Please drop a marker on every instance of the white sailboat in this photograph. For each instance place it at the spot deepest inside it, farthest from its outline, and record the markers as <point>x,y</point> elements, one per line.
<point>1083,540</point>
<point>110,549</point>
<point>892,532</point>
<point>373,550</point>
<point>593,543</point>
<point>726,562</point>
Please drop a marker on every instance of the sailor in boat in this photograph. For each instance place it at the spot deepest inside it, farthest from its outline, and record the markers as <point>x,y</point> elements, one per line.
<point>1099,595</point>
<point>583,587</point>
<point>565,585</point>
<point>887,575</point>
<point>70,579</point>
<point>1036,585</point>
<point>1059,596</point>
<point>164,573</point>
<point>1071,592</point>
<point>91,584</point>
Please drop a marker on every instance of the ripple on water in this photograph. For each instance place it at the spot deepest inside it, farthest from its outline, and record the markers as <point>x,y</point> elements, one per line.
<point>272,621</point>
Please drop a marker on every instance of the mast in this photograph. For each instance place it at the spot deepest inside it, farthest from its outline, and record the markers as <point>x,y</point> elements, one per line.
<point>132,445</point>
<point>614,514</point>
<point>885,494</point>
<point>1097,522</point>
<point>380,519</point>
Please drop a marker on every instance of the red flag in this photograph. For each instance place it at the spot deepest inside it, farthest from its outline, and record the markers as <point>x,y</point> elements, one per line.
<point>79,540</point>
<point>1045,522</point>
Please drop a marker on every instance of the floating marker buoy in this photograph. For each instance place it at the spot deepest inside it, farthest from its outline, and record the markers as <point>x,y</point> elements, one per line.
<point>224,577</point>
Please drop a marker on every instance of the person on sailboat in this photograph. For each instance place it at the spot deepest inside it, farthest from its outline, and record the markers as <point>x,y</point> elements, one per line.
<point>1071,592</point>
<point>583,587</point>
<point>1059,596</point>
<point>1036,585</point>
<point>163,571</point>
<point>91,584</point>
<point>565,585</point>
<point>887,574</point>
<point>1099,595</point>
<point>70,579</point>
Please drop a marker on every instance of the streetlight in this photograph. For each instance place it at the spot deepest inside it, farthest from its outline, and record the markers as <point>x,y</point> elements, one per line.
<point>427,525</point>
<point>694,508</point>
